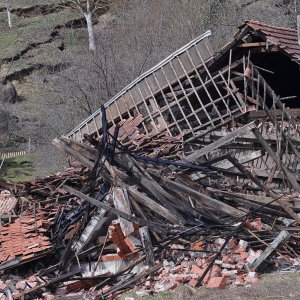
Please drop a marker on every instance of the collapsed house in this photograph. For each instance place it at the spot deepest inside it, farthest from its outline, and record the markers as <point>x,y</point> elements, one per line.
<point>189,175</point>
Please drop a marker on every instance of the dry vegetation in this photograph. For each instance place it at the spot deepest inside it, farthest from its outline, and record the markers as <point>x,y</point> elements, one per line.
<point>272,286</point>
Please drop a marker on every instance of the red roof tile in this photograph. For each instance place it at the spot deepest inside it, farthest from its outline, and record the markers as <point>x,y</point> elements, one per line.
<point>284,38</point>
<point>23,238</point>
<point>7,203</point>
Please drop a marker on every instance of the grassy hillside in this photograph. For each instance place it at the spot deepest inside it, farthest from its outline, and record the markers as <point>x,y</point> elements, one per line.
<point>58,88</point>
<point>29,53</point>
<point>18,169</point>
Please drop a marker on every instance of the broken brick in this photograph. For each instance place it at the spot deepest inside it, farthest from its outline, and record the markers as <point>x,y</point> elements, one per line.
<point>217,282</point>
<point>243,255</point>
<point>193,282</point>
<point>197,270</point>
<point>130,244</point>
<point>183,278</point>
<point>111,257</point>
<point>198,246</point>
<point>215,271</point>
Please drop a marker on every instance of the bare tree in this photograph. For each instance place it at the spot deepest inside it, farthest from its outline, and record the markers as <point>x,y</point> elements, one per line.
<point>297,3</point>
<point>8,8</point>
<point>89,8</point>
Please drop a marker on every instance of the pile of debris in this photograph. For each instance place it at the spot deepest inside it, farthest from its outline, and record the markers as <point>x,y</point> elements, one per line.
<point>165,194</point>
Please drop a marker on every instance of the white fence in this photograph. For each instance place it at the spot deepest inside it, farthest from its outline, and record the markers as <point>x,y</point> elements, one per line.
<point>7,155</point>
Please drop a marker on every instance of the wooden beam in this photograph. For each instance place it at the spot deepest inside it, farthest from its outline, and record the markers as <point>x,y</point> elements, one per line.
<point>290,177</point>
<point>121,202</point>
<point>146,181</point>
<point>246,201</point>
<point>220,142</point>
<point>282,237</point>
<point>250,137</point>
<point>259,173</point>
<point>147,245</point>
<point>152,205</point>
<point>249,197</point>
<point>227,165</point>
<point>268,191</point>
<point>82,159</point>
<point>294,112</point>
<point>154,226</point>
<point>138,196</point>
<point>85,150</point>
<point>248,45</point>
<point>207,200</point>
<point>298,27</point>
<point>271,48</point>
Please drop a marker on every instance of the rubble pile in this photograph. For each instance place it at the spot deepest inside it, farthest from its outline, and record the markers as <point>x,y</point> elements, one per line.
<point>231,269</point>
<point>153,202</point>
<point>121,220</point>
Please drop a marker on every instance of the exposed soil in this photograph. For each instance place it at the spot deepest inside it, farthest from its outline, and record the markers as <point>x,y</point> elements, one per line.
<point>21,74</point>
<point>37,10</point>
<point>24,51</point>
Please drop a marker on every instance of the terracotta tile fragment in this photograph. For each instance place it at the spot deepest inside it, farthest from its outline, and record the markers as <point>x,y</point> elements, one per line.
<point>217,282</point>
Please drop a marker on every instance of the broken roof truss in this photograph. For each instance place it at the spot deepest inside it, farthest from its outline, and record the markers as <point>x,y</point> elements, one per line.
<point>179,95</point>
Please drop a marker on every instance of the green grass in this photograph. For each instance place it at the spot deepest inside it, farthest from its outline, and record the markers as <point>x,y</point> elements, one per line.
<point>26,3</point>
<point>75,38</point>
<point>36,87</point>
<point>30,30</point>
<point>180,293</point>
<point>3,20</point>
<point>18,169</point>
<point>270,286</point>
<point>9,40</point>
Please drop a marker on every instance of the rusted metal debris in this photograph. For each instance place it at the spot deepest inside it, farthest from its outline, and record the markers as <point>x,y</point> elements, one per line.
<point>172,195</point>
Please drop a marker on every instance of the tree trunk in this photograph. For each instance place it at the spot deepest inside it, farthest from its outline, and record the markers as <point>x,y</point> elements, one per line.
<point>8,14</point>
<point>298,19</point>
<point>92,44</point>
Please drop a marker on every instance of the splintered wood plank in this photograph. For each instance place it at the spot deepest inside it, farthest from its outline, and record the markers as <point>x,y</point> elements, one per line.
<point>154,226</point>
<point>281,238</point>
<point>152,205</point>
<point>222,141</point>
<point>121,202</point>
<point>202,198</point>
<point>94,225</point>
<point>147,245</point>
<point>227,165</point>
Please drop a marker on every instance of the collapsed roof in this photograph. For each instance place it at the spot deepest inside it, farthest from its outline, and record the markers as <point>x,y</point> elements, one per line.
<point>183,94</point>
<point>196,161</point>
<point>283,39</point>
